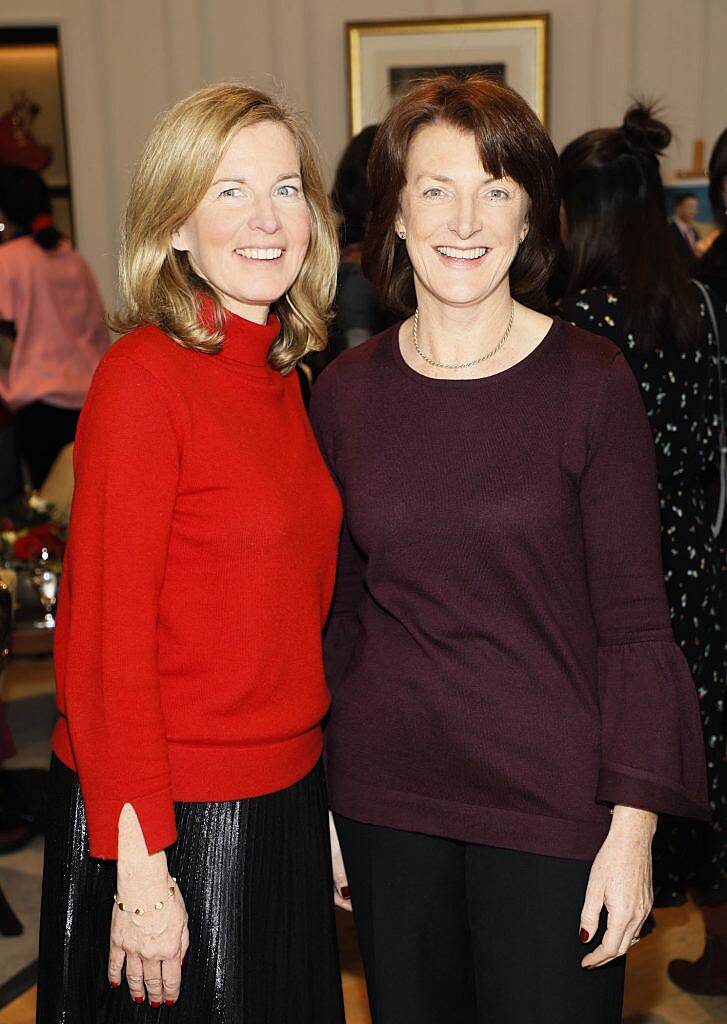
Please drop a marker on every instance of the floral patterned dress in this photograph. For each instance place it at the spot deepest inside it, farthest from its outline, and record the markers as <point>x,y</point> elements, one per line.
<point>679,388</point>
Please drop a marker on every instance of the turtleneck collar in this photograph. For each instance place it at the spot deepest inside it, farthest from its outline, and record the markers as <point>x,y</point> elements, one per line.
<point>246,342</point>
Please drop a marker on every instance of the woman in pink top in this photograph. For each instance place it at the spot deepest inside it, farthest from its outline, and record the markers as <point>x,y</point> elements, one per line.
<point>48,293</point>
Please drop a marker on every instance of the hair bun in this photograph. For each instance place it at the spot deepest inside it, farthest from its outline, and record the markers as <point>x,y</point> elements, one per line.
<point>643,131</point>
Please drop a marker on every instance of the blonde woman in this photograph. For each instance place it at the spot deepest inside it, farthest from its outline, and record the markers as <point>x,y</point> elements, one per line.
<point>187,858</point>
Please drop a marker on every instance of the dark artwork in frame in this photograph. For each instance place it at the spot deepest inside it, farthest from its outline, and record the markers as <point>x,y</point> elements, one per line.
<point>32,116</point>
<point>386,57</point>
<point>400,78</point>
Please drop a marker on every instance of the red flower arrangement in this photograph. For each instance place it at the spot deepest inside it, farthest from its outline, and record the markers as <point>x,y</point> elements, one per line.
<point>29,544</point>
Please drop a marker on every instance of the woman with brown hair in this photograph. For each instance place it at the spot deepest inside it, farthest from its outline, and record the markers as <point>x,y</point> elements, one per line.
<point>707,975</point>
<point>510,711</point>
<point>188,807</point>
<point>626,282</point>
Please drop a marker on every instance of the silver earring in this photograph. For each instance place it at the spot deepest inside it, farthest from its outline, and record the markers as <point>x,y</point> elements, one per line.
<point>402,234</point>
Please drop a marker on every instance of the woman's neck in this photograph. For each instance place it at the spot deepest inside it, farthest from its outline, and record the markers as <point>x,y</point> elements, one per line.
<point>256,314</point>
<point>458,334</point>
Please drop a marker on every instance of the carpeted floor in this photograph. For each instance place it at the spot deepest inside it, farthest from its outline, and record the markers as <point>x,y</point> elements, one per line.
<point>31,723</point>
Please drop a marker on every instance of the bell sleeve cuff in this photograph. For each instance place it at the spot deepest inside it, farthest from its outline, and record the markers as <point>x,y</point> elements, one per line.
<point>652,749</point>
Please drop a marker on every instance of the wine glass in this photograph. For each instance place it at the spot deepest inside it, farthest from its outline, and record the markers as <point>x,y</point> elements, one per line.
<point>45,580</point>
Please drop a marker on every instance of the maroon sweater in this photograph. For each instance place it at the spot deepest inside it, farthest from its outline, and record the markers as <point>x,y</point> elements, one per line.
<point>499,650</point>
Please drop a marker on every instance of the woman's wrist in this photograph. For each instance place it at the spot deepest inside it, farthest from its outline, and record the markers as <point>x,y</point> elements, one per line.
<point>633,822</point>
<point>136,868</point>
<point>155,899</point>
<point>147,873</point>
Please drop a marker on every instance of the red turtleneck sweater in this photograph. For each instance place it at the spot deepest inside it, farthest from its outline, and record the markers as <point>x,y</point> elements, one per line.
<point>198,575</point>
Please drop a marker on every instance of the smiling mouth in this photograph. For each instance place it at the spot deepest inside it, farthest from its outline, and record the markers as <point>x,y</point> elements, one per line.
<point>263,255</point>
<point>462,254</point>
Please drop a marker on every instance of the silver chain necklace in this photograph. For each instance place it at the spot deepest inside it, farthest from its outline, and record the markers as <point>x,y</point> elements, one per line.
<point>472,362</point>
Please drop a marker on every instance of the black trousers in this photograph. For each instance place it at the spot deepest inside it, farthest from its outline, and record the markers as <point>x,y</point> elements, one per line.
<point>41,431</point>
<point>256,880</point>
<point>457,933</point>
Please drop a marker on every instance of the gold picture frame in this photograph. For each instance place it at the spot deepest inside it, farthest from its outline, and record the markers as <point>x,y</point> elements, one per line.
<point>384,55</point>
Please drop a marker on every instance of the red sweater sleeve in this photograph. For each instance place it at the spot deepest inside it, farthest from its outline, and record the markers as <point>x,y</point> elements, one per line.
<point>652,752</point>
<point>127,465</point>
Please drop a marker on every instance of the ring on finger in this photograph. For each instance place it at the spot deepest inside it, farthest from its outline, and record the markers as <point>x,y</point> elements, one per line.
<point>636,938</point>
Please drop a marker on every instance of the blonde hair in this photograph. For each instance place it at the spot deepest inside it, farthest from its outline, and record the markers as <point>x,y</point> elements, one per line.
<point>157,282</point>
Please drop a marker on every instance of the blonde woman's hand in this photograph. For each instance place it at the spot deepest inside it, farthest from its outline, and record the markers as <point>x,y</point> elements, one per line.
<point>340,883</point>
<point>620,881</point>
<point>154,944</point>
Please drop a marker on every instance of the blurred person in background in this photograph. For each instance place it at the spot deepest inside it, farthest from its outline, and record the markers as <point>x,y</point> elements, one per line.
<point>713,270</point>
<point>54,332</point>
<point>358,314</point>
<point>708,974</point>
<point>684,233</point>
<point>626,282</point>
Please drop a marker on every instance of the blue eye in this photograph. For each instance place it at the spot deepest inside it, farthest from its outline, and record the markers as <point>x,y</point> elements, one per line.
<point>229,192</point>
<point>287,190</point>
<point>434,193</point>
<point>498,193</point>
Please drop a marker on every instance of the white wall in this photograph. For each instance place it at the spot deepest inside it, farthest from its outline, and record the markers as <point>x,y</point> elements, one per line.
<point>126,61</point>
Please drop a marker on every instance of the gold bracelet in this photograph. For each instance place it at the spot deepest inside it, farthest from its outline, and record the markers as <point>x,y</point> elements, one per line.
<point>139,911</point>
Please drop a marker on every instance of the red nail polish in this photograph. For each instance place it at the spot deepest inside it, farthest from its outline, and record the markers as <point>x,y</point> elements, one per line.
<point>155,1005</point>
<point>114,984</point>
<point>345,891</point>
<point>169,1002</point>
<point>583,935</point>
<point>138,999</point>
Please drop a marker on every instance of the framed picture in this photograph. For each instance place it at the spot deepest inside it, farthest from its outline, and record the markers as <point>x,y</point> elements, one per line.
<point>384,57</point>
<point>32,118</point>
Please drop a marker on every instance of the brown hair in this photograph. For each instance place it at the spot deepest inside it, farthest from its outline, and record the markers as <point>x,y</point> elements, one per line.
<point>511,142</point>
<point>157,283</point>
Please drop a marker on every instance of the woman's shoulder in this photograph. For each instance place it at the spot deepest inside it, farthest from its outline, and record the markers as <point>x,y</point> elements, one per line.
<point>351,378</point>
<point>137,379</point>
<point>146,355</point>
<point>591,368</point>
<point>148,346</point>
<point>353,363</point>
<point>589,351</point>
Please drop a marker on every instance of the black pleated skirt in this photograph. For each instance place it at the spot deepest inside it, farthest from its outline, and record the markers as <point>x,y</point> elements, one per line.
<point>256,879</point>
